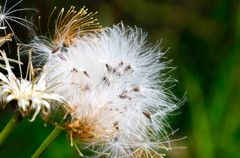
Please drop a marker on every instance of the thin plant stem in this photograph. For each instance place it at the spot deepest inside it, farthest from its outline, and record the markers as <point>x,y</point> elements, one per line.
<point>55,133</point>
<point>11,125</point>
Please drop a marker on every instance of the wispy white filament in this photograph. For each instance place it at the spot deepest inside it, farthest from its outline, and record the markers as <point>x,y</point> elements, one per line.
<point>7,16</point>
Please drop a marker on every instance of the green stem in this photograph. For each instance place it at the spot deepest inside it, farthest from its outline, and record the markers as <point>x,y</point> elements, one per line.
<point>55,133</point>
<point>12,124</point>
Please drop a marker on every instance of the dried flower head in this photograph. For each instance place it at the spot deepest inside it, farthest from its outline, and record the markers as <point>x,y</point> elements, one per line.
<point>119,70</point>
<point>68,28</point>
<point>28,96</point>
<point>7,16</point>
<point>74,24</point>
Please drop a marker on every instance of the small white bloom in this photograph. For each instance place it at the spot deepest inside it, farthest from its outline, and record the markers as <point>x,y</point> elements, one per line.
<point>29,96</point>
<point>119,70</point>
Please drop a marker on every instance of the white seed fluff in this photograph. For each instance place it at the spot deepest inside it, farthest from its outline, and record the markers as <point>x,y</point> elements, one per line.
<point>119,65</point>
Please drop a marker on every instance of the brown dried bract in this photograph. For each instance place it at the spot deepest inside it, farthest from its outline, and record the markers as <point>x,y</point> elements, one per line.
<point>6,38</point>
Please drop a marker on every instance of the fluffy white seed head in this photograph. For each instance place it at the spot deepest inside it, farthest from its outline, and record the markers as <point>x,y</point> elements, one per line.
<point>128,77</point>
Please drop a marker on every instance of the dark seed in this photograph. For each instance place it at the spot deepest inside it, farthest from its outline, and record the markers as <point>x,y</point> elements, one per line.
<point>136,89</point>
<point>116,125</point>
<point>85,72</point>
<point>109,68</point>
<point>55,50</point>
<point>74,70</point>
<point>146,114</point>
<point>127,68</point>
<point>106,80</point>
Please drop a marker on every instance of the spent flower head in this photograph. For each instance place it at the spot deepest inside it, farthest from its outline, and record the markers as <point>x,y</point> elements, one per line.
<point>119,83</point>
<point>28,96</point>
<point>68,28</point>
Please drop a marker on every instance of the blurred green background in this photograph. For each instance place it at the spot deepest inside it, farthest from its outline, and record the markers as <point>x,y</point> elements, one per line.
<point>204,41</point>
